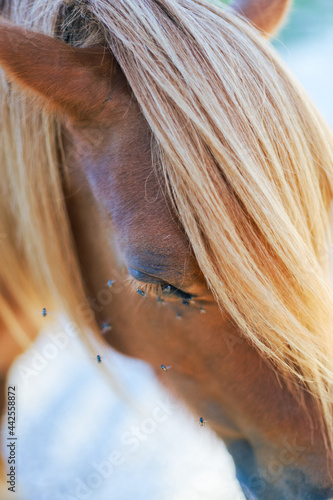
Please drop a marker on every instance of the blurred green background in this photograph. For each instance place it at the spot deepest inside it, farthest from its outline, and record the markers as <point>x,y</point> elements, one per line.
<point>306,44</point>
<point>307,19</point>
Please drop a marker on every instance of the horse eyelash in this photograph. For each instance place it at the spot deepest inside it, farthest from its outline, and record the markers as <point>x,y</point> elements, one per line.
<point>151,289</point>
<point>157,290</point>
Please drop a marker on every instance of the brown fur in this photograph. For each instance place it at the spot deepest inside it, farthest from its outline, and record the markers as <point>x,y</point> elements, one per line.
<point>236,390</point>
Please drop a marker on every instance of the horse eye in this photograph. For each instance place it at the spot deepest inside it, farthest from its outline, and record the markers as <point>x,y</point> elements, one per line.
<point>157,285</point>
<point>171,290</point>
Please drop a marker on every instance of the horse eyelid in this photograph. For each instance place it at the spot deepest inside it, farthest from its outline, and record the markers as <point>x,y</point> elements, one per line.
<point>165,289</point>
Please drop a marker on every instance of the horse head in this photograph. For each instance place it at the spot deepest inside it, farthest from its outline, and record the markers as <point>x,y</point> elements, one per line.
<point>149,187</point>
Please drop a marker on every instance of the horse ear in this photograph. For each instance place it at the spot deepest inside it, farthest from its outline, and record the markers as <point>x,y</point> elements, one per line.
<point>267,15</point>
<point>75,81</point>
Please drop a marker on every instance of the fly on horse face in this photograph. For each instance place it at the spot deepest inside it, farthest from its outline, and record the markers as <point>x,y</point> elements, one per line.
<point>163,147</point>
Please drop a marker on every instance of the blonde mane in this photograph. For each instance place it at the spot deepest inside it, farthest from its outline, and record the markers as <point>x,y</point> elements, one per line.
<point>247,159</point>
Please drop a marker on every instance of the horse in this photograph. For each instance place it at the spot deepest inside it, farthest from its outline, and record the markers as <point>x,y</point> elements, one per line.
<point>163,173</point>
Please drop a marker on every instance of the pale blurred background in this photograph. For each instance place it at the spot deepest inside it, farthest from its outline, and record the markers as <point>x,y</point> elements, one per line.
<point>78,439</point>
<point>306,44</point>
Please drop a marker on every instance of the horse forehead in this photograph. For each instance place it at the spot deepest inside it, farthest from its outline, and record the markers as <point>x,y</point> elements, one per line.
<point>134,195</point>
<point>149,230</point>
